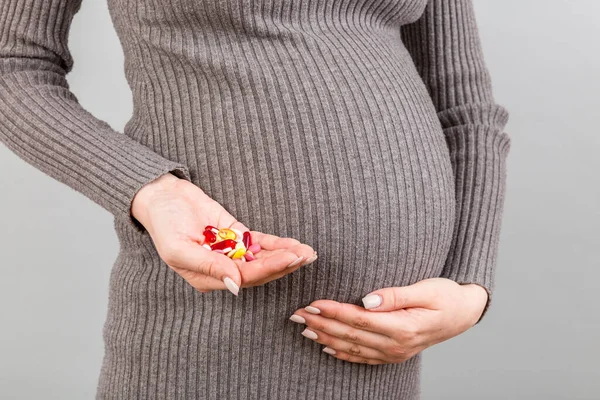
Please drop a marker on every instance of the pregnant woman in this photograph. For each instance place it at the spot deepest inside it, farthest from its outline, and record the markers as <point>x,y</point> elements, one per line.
<point>358,140</point>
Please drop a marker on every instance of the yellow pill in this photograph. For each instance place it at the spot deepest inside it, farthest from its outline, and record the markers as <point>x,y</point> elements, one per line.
<point>238,253</point>
<point>225,233</point>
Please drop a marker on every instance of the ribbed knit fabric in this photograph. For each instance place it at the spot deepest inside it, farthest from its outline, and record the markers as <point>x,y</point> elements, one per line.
<point>365,128</point>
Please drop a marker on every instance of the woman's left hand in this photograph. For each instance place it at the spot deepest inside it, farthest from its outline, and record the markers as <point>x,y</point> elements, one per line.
<point>408,320</point>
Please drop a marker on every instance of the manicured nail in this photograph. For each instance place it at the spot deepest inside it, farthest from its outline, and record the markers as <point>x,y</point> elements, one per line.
<point>372,301</point>
<point>311,259</point>
<point>312,310</point>
<point>309,334</point>
<point>231,285</point>
<point>329,350</point>
<point>295,262</point>
<point>298,319</point>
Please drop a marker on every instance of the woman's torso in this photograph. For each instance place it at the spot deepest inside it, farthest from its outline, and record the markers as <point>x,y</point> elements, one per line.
<point>304,119</point>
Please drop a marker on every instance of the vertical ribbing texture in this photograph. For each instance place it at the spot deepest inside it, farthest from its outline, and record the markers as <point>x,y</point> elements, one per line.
<point>305,119</point>
<point>446,49</point>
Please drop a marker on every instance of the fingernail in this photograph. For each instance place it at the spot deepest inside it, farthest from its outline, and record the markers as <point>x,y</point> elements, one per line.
<point>372,301</point>
<point>309,334</point>
<point>231,285</point>
<point>329,350</point>
<point>295,262</point>
<point>311,259</point>
<point>312,310</point>
<point>298,319</point>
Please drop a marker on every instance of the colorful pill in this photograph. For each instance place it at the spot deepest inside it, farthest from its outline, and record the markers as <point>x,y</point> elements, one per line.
<point>223,244</point>
<point>231,253</point>
<point>247,239</point>
<point>254,248</point>
<point>206,246</point>
<point>238,233</point>
<point>238,253</point>
<point>249,256</point>
<point>225,233</point>
<point>209,236</point>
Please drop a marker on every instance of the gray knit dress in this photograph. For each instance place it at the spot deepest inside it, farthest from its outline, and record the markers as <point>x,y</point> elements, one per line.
<point>364,128</point>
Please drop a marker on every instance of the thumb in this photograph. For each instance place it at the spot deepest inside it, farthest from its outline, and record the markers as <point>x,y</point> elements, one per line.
<point>193,257</point>
<point>419,294</point>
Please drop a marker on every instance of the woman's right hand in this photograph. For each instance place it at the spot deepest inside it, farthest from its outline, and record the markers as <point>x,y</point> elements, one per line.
<point>175,211</point>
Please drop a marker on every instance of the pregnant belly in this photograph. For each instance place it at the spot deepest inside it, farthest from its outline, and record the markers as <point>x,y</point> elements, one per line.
<point>354,165</point>
<point>371,192</point>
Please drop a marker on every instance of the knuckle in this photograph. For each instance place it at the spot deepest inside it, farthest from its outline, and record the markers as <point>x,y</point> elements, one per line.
<point>354,350</point>
<point>361,322</point>
<point>208,267</point>
<point>398,299</point>
<point>350,336</point>
<point>397,351</point>
<point>318,326</point>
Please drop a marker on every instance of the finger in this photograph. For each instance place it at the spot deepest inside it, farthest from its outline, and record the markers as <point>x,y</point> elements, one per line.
<point>239,226</point>
<point>342,330</point>
<point>267,268</point>
<point>191,256</point>
<point>421,294</point>
<point>353,315</point>
<point>272,242</point>
<point>335,343</point>
<point>274,264</point>
<point>342,355</point>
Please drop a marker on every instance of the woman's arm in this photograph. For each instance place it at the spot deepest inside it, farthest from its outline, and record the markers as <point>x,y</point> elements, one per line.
<point>446,50</point>
<point>42,122</point>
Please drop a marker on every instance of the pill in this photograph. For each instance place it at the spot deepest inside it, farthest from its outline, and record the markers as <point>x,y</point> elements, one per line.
<point>206,246</point>
<point>238,253</point>
<point>247,239</point>
<point>223,244</point>
<point>225,233</point>
<point>231,242</point>
<point>254,248</point>
<point>209,236</point>
<point>238,233</point>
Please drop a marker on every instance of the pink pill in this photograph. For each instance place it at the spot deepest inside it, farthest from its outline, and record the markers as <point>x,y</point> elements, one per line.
<point>254,248</point>
<point>249,256</point>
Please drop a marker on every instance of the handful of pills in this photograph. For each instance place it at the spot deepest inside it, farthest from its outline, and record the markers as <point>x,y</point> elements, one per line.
<point>231,242</point>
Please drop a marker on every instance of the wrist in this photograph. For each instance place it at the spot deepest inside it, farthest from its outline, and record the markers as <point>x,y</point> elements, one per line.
<point>477,297</point>
<point>149,191</point>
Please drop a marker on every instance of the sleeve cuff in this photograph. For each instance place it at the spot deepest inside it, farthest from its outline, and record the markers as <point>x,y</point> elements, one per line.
<point>478,154</point>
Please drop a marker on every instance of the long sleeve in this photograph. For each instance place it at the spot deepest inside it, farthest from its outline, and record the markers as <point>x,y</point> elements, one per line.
<point>446,49</point>
<point>42,122</point>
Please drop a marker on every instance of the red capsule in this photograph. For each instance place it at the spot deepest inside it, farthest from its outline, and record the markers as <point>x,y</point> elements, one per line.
<point>209,236</point>
<point>223,244</point>
<point>210,228</point>
<point>247,239</point>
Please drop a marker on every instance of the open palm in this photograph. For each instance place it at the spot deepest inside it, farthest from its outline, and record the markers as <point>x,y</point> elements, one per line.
<point>175,211</point>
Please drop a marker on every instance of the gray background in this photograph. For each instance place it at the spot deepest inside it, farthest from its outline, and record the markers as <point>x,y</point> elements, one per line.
<point>540,339</point>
